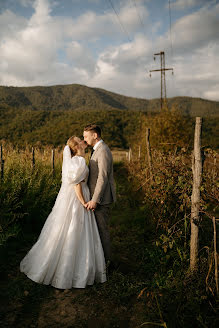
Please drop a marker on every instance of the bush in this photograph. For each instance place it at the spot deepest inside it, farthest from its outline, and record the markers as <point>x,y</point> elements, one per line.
<point>26,194</point>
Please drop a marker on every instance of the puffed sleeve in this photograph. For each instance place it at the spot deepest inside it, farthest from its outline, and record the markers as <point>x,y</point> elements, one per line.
<point>74,169</point>
<point>78,170</point>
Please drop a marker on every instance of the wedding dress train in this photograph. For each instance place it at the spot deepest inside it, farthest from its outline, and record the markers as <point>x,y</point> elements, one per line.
<point>68,252</point>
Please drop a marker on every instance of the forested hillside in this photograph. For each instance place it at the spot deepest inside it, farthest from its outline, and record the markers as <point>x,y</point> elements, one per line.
<point>120,128</point>
<point>79,97</point>
<point>49,115</point>
<point>55,127</point>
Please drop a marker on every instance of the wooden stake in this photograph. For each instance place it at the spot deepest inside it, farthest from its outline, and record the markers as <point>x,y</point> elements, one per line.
<point>148,151</point>
<point>53,160</point>
<point>33,157</point>
<point>215,255</point>
<point>2,162</point>
<point>214,169</point>
<point>130,154</point>
<point>197,172</point>
<point>139,151</point>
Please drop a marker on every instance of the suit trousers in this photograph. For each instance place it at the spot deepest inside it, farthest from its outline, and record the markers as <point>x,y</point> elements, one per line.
<point>102,214</point>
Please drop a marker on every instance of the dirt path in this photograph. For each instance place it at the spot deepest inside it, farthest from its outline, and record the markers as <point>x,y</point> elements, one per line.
<point>112,304</point>
<point>143,287</point>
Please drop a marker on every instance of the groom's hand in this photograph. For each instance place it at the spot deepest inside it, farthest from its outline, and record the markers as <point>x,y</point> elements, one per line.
<point>91,205</point>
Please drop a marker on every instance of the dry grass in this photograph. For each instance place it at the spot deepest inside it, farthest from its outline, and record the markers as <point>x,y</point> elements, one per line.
<point>43,155</point>
<point>119,155</point>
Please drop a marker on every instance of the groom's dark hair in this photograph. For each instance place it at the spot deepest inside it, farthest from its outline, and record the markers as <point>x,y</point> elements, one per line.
<point>94,128</point>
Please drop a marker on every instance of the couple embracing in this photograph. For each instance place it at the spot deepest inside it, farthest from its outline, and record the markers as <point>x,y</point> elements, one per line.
<point>73,248</point>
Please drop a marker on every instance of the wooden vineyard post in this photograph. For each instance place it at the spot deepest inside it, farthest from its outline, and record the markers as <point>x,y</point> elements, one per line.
<point>139,151</point>
<point>2,162</point>
<point>53,161</point>
<point>215,255</point>
<point>214,175</point>
<point>130,154</point>
<point>148,151</point>
<point>33,158</point>
<point>195,199</point>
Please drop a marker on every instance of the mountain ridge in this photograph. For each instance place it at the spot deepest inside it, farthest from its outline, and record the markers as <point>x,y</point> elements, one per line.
<point>76,97</point>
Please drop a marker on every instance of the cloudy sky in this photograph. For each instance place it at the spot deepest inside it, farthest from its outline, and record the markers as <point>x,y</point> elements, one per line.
<point>110,44</point>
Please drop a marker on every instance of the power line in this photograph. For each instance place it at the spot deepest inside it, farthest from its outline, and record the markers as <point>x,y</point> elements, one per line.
<point>120,22</point>
<point>140,19</point>
<point>171,42</point>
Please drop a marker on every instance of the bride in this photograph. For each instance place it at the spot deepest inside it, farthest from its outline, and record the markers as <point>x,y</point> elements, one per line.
<point>68,252</point>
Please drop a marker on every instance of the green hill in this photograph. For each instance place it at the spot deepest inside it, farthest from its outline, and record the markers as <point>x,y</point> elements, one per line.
<point>49,115</point>
<point>55,127</point>
<point>79,97</point>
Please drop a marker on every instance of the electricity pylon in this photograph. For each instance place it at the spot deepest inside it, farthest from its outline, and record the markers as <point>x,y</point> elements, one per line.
<point>162,70</point>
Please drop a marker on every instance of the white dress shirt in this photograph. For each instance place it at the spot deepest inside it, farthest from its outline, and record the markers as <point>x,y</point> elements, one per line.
<point>97,144</point>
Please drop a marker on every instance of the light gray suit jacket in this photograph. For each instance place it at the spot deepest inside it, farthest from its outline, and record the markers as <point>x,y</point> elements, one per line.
<point>100,181</point>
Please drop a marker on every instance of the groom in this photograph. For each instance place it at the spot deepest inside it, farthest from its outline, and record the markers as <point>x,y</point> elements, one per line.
<point>101,183</point>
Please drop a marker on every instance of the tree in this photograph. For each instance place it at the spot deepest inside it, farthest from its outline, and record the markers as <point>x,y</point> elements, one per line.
<point>169,128</point>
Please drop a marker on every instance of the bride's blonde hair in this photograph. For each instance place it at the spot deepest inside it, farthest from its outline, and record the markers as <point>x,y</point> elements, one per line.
<point>72,143</point>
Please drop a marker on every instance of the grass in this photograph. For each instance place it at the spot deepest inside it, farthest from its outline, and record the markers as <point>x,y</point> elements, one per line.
<point>149,287</point>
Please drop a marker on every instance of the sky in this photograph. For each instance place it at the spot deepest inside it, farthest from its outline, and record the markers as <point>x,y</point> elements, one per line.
<point>110,44</point>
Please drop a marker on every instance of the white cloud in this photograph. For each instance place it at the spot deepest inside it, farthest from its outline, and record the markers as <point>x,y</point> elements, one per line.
<point>94,26</point>
<point>129,16</point>
<point>93,1</point>
<point>196,62</point>
<point>42,11</point>
<point>26,3</point>
<point>196,30</point>
<point>9,23</point>
<point>128,56</point>
<point>30,53</point>
<point>81,56</point>
<point>213,93</point>
<point>196,74</point>
<point>183,4</point>
<point>34,51</point>
<point>123,68</point>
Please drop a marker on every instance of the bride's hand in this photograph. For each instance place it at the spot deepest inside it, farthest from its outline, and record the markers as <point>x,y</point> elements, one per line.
<point>85,205</point>
<point>91,205</point>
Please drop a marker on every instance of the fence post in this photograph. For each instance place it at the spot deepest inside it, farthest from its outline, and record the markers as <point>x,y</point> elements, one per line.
<point>148,150</point>
<point>130,154</point>
<point>195,198</point>
<point>215,255</point>
<point>53,161</point>
<point>214,169</point>
<point>33,157</point>
<point>139,151</point>
<point>2,162</point>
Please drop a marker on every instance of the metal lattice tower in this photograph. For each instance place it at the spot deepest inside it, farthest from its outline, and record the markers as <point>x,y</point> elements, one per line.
<point>162,70</point>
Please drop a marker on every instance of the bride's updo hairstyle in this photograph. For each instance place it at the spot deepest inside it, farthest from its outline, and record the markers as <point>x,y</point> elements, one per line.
<point>72,143</point>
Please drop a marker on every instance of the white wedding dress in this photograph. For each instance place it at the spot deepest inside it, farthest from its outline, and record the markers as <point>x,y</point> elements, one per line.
<point>68,252</point>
